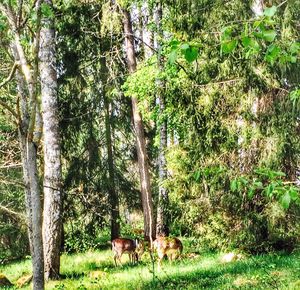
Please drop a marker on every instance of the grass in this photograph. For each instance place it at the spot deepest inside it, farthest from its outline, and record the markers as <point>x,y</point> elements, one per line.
<point>95,270</point>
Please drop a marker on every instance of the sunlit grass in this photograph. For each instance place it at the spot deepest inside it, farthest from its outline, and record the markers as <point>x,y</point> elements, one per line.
<point>95,270</point>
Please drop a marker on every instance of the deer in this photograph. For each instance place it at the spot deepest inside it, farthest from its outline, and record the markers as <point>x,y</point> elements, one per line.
<point>134,248</point>
<point>167,246</point>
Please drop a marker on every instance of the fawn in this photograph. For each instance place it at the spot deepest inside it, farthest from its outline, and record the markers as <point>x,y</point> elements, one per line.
<point>134,248</point>
<point>167,246</point>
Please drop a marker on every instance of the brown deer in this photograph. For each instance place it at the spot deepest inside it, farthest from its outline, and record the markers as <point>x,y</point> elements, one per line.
<point>167,246</point>
<point>134,248</point>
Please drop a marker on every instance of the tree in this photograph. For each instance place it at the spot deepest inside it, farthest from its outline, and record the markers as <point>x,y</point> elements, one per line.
<point>162,227</point>
<point>149,224</point>
<point>29,128</point>
<point>52,222</point>
<point>113,194</point>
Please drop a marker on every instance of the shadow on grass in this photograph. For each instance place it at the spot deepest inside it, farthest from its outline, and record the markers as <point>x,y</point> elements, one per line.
<point>72,275</point>
<point>107,267</point>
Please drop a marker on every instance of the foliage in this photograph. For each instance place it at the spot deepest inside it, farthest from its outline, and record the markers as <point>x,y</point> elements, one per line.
<point>231,108</point>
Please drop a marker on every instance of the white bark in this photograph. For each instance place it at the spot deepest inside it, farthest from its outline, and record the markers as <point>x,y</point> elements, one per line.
<point>52,223</point>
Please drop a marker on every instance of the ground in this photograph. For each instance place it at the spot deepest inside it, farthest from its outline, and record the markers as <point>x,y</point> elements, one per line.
<point>95,270</point>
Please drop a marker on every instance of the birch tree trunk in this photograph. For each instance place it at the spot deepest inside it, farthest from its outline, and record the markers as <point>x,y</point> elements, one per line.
<point>29,128</point>
<point>52,223</point>
<point>149,223</point>
<point>162,227</point>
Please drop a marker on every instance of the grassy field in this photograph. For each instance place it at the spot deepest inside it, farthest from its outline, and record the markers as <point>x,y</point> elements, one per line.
<point>95,270</point>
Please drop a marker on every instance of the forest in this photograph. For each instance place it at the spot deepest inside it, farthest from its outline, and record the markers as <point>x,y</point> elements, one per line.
<point>161,129</point>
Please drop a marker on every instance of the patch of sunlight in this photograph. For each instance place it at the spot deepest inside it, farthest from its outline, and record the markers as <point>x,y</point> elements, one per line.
<point>241,281</point>
<point>187,267</point>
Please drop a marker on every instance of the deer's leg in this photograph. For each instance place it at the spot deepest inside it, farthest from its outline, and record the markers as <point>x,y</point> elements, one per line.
<point>160,258</point>
<point>136,257</point>
<point>115,259</point>
<point>119,258</point>
<point>130,258</point>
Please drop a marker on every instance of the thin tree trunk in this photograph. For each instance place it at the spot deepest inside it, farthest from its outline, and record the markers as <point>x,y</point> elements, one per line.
<point>147,36</point>
<point>37,256</point>
<point>32,194</point>
<point>113,194</point>
<point>52,163</point>
<point>149,223</point>
<point>162,228</point>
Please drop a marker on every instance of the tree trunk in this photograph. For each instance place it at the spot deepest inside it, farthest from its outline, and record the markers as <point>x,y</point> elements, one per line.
<point>162,228</point>
<point>37,237</point>
<point>149,223</point>
<point>29,138</point>
<point>147,35</point>
<point>52,163</point>
<point>32,190</point>
<point>113,194</point>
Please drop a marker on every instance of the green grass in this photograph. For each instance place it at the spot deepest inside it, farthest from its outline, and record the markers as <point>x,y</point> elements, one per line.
<point>95,270</point>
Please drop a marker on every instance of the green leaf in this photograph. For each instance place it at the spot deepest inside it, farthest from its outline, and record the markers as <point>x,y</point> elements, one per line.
<point>174,44</point>
<point>272,53</point>
<point>286,200</point>
<point>258,34</point>
<point>251,192</point>
<point>269,35</point>
<point>270,189</point>
<point>191,54</point>
<point>229,46</point>
<point>47,10</point>
<point>172,57</point>
<point>185,46</point>
<point>293,193</point>
<point>197,175</point>
<point>258,184</point>
<point>249,42</point>
<point>244,181</point>
<point>295,48</point>
<point>257,23</point>
<point>270,11</point>
<point>2,26</point>
<point>292,59</point>
<point>233,185</point>
<point>246,41</point>
<point>226,33</point>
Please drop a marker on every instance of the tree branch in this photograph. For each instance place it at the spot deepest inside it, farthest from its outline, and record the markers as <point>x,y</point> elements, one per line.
<point>9,78</point>
<point>7,11</point>
<point>11,166</point>
<point>12,213</point>
<point>11,182</point>
<point>8,108</point>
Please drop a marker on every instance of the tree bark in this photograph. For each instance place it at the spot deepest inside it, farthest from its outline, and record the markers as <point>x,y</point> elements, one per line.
<point>113,194</point>
<point>29,138</point>
<point>147,35</point>
<point>149,223</point>
<point>32,190</point>
<point>52,222</point>
<point>162,228</point>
